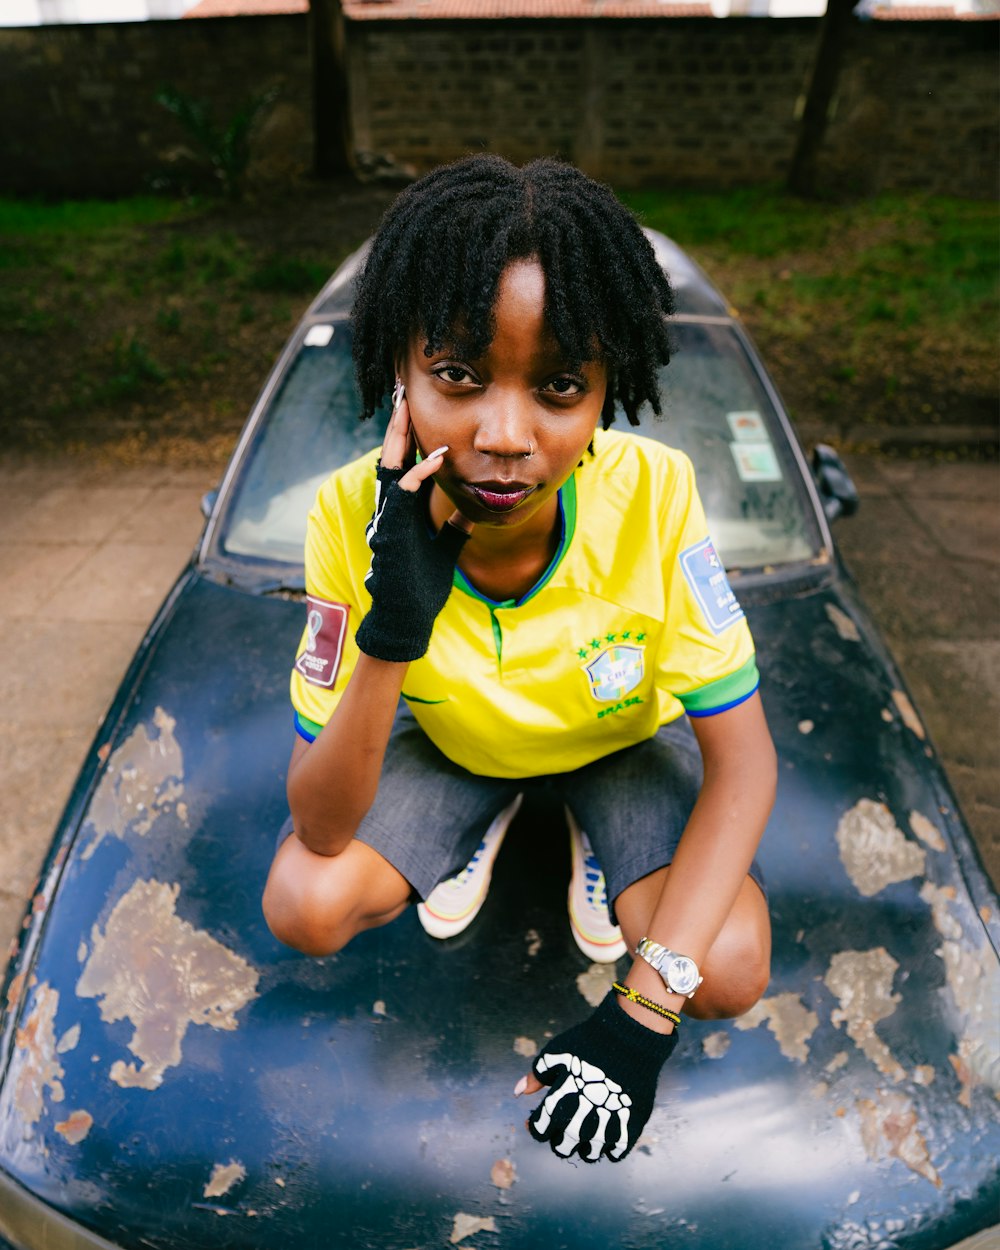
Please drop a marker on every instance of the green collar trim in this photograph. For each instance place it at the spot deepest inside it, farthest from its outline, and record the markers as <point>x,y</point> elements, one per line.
<point>567,528</point>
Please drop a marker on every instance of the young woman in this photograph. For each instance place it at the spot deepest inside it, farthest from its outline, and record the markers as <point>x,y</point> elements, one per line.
<point>513,595</point>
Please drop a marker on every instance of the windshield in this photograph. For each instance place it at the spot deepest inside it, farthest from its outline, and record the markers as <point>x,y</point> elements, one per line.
<point>715,409</point>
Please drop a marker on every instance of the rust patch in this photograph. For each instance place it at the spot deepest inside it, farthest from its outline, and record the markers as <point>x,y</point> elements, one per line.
<point>862,982</point>
<point>14,990</point>
<point>224,1177</point>
<point>76,1126</point>
<point>37,1066</point>
<point>927,831</point>
<point>468,1225</point>
<point>503,1173</point>
<point>837,1062</point>
<point>595,982</point>
<point>908,713</point>
<point>924,1074</point>
<point>874,850</point>
<point>716,1044</point>
<point>842,623</point>
<point>986,914</point>
<point>533,941</point>
<point>526,1046</point>
<point>143,779</point>
<point>973,976</point>
<point>162,974</point>
<point>889,1126</point>
<point>791,1022</point>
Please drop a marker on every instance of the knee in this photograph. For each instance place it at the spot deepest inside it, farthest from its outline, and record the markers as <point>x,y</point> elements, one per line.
<point>732,985</point>
<point>300,916</point>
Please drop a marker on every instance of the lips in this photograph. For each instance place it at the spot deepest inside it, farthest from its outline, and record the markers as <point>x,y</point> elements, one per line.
<point>499,496</point>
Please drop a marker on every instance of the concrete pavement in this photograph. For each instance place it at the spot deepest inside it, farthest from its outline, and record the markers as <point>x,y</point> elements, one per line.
<point>87,552</point>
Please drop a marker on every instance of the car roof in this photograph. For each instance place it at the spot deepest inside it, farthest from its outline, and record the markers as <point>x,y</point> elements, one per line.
<point>694,294</point>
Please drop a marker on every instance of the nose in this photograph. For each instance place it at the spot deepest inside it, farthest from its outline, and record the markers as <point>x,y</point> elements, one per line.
<point>504,427</point>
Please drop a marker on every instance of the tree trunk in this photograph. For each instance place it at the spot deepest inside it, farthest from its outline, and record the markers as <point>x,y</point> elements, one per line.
<point>834,32</point>
<point>331,122</point>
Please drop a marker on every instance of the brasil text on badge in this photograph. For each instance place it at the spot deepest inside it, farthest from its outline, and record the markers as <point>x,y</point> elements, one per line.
<point>617,670</point>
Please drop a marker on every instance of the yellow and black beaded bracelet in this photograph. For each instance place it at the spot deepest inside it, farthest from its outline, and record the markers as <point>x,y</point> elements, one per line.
<point>635,997</point>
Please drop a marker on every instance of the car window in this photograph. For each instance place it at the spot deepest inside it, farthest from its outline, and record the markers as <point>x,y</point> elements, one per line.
<point>714,408</point>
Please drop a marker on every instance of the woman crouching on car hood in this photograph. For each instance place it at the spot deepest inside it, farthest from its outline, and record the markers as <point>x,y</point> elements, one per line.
<point>509,596</point>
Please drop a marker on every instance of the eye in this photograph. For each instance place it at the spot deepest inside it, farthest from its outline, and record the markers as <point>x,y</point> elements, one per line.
<point>565,386</point>
<point>457,375</point>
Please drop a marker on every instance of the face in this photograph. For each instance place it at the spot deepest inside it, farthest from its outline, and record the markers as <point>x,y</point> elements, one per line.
<point>516,421</point>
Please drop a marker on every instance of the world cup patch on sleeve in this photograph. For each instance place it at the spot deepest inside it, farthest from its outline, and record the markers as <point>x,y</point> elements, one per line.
<point>707,578</point>
<point>319,659</point>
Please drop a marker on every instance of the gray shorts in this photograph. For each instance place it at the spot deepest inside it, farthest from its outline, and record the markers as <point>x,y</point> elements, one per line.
<point>430,814</point>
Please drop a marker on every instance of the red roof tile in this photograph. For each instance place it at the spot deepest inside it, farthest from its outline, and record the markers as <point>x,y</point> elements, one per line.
<point>246,8</point>
<point>381,10</point>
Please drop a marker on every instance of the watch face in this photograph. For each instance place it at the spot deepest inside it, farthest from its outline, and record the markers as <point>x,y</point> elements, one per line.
<point>682,974</point>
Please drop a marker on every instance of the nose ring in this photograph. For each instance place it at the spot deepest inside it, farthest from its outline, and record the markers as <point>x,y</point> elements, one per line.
<point>529,453</point>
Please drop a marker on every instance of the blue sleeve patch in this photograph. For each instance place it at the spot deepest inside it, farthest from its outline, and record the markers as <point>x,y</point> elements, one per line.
<point>707,578</point>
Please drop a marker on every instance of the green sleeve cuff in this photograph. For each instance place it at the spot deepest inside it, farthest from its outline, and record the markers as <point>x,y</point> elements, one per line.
<point>306,728</point>
<point>727,692</point>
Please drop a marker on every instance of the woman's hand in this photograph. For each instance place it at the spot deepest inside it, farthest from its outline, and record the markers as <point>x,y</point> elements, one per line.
<point>412,569</point>
<point>603,1075</point>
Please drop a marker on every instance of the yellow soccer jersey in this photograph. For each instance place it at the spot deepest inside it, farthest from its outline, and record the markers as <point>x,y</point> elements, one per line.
<point>632,624</point>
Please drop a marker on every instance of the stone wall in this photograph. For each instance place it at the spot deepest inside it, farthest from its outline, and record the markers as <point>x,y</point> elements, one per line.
<point>684,100</point>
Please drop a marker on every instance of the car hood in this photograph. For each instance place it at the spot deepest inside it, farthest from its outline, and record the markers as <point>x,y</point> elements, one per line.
<point>172,1076</point>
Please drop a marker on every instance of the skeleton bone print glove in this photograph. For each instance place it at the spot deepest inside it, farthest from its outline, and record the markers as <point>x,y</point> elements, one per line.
<point>603,1074</point>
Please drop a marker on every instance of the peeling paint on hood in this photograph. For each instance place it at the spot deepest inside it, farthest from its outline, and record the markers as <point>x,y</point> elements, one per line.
<point>144,778</point>
<point>35,1066</point>
<point>874,850</point>
<point>162,974</point>
<point>909,714</point>
<point>791,1022</point>
<point>595,982</point>
<point>927,831</point>
<point>973,975</point>
<point>76,1126</point>
<point>224,1177</point>
<point>889,1126</point>
<point>842,623</point>
<point>862,982</point>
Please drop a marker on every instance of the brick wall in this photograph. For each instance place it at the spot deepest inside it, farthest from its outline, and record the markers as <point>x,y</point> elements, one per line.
<point>687,101</point>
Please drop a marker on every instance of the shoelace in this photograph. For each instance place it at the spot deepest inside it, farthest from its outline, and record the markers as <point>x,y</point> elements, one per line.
<point>460,878</point>
<point>596,887</point>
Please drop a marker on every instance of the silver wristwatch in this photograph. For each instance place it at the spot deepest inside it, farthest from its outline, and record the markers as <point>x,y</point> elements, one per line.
<point>679,972</point>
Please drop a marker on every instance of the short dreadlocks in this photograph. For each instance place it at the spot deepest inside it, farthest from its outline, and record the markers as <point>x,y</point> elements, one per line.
<point>437,258</point>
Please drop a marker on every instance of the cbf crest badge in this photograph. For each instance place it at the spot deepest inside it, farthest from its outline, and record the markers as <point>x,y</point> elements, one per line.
<point>615,671</point>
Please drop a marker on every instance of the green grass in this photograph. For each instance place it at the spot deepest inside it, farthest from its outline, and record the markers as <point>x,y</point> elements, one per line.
<point>84,217</point>
<point>907,260</point>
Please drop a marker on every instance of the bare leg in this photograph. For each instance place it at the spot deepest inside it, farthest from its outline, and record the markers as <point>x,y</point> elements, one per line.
<point>737,969</point>
<point>317,903</point>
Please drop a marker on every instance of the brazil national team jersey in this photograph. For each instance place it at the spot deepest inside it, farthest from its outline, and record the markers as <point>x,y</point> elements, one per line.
<point>632,624</point>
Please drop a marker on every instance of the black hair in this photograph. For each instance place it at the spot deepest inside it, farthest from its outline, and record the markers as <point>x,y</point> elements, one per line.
<point>436,261</point>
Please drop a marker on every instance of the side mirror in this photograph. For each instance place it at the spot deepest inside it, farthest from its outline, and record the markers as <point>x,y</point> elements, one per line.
<point>208,502</point>
<point>836,489</point>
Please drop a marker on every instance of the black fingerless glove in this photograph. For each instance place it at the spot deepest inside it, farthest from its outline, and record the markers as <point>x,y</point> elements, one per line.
<point>603,1073</point>
<point>411,571</point>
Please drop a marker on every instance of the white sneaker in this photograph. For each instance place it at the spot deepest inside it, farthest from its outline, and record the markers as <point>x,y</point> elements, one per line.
<point>596,936</point>
<point>453,904</point>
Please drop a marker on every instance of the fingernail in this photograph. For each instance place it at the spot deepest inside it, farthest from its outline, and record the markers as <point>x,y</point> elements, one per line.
<point>440,452</point>
<point>520,1087</point>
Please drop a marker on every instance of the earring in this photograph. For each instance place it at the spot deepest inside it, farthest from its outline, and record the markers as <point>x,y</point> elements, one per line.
<point>398,393</point>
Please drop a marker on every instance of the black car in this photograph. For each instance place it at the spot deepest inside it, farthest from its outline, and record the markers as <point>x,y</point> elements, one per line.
<point>172,1077</point>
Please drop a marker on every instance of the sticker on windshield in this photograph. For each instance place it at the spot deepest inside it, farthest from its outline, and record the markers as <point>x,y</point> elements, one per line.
<point>319,659</point>
<point>706,576</point>
<point>747,427</point>
<point>318,336</point>
<point>756,462</point>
